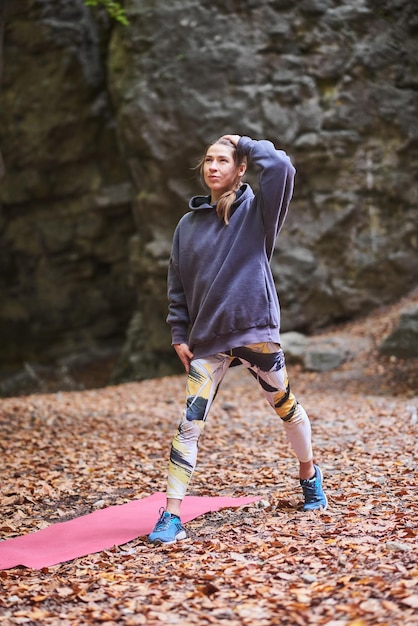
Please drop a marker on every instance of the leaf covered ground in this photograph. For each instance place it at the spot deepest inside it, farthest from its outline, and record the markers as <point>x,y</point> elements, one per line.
<point>66,454</point>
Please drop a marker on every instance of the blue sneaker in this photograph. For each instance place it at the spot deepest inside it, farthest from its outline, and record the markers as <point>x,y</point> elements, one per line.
<point>168,529</point>
<point>315,497</point>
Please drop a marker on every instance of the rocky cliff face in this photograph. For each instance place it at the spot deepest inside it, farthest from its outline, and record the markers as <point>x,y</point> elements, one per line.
<point>66,217</point>
<point>335,84</point>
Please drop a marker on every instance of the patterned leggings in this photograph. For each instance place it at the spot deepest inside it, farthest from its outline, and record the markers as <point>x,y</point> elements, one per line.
<point>266,362</point>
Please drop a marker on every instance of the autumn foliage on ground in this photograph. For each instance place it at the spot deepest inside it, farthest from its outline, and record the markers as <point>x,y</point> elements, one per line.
<point>355,564</point>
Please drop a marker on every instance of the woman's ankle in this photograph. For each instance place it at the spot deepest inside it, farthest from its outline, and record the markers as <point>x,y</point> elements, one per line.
<point>173,506</point>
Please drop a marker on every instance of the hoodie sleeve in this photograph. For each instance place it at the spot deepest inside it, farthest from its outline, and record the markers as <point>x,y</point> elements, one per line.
<point>275,182</point>
<point>178,315</point>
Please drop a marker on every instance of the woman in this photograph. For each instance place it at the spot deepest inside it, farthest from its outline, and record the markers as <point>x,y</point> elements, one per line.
<point>223,307</point>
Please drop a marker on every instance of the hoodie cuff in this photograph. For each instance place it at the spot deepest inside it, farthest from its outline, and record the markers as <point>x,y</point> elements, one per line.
<point>178,334</point>
<point>245,143</point>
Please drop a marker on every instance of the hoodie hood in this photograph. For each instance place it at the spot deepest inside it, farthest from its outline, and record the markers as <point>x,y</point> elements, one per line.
<point>203,202</point>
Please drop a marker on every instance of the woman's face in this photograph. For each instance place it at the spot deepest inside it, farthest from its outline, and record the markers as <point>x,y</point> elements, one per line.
<point>220,171</point>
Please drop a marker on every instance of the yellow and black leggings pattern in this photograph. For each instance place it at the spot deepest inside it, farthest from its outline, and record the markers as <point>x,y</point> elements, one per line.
<point>266,362</point>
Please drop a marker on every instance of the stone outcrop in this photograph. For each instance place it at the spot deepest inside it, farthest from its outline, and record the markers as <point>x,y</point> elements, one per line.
<point>321,354</point>
<point>101,134</point>
<point>402,342</point>
<point>336,86</point>
<point>66,217</point>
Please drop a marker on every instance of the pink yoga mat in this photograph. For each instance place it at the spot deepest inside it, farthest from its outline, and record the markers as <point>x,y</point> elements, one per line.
<point>101,530</point>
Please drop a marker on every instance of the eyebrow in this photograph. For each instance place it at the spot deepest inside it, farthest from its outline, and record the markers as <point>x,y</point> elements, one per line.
<point>219,156</point>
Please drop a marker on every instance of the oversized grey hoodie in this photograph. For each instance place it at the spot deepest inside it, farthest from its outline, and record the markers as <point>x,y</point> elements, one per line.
<point>220,286</point>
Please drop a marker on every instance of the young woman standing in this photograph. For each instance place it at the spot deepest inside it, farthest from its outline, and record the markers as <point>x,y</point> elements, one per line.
<point>223,307</point>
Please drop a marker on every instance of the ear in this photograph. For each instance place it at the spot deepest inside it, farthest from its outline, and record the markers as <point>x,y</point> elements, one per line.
<point>242,169</point>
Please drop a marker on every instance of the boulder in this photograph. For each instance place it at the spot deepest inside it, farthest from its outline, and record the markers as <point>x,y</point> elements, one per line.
<point>321,353</point>
<point>403,340</point>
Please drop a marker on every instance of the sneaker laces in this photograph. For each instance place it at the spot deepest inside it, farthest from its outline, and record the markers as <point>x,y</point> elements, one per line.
<point>309,488</point>
<point>309,485</point>
<point>164,520</point>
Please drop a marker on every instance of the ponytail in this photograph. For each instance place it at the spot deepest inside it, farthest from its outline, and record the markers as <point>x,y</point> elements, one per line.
<point>224,204</point>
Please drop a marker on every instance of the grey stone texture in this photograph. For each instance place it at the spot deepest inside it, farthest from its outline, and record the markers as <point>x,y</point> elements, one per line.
<point>321,354</point>
<point>403,340</point>
<point>101,127</point>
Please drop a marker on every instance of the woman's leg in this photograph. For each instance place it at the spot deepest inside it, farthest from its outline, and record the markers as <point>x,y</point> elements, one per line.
<point>202,385</point>
<point>266,362</point>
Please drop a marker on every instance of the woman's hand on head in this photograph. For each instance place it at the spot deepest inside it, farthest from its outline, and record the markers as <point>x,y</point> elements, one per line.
<point>232,138</point>
<point>184,354</point>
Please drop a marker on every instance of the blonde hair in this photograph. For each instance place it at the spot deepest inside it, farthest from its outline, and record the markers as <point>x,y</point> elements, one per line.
<point>226,200</point>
